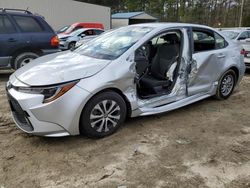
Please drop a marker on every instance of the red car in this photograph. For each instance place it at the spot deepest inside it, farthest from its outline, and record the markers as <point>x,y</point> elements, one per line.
<point>79,25</point>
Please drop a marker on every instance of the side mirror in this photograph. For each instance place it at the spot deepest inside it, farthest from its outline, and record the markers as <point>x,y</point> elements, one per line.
<point>82,35</point>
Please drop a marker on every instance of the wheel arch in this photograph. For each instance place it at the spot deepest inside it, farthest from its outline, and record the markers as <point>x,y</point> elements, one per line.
<point>118,91</point>
<point>237,72</point>
<point>112,89</point>
<point>24,50</point>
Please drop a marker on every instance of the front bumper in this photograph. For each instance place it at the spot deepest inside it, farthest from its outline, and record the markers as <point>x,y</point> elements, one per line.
<point>247,62</point>
<point>63,45</point>
<point>55,119</point>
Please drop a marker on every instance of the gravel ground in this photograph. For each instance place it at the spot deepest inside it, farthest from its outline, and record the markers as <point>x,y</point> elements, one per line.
<point>206,144</point>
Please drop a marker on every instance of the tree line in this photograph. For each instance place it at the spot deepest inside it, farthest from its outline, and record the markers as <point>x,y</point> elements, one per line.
<point>215,13</point>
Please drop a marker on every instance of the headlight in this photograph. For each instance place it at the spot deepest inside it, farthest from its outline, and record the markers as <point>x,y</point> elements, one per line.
<point>50,93</point>
<point>63,39</point>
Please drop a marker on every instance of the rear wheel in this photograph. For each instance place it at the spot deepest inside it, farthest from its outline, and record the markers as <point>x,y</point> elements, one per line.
<point>103,115</point>
<point>226,85</point>
<point>24,58</point>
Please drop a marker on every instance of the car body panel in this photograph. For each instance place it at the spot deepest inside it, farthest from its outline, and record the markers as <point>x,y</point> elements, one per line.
<point>58,68</point>
<point>204,75</point>
<point>119,75</point>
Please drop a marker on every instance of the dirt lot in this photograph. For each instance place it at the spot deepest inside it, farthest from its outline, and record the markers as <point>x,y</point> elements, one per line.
<point>206,144</point>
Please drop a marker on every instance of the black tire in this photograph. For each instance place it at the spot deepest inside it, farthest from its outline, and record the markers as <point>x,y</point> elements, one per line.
<point>25,57</point>
<point>96,127</point>
<point>71,45</point>
<point>221,93</point>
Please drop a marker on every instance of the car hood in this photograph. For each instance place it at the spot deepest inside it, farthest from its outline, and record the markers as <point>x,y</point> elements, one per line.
<point>58,68</point>
<point>60,36</point>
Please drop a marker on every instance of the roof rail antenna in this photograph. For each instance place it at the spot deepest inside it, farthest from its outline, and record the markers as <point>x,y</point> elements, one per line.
<point>13,9</point>
<point>27,9</point>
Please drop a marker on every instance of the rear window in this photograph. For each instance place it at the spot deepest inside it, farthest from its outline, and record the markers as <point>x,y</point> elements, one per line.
<point>5,25</point>
<point>28,24</point>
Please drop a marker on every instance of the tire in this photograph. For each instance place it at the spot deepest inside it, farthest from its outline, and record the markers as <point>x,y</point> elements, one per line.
<point>226,85</point>
<point>103,123</point>
<point>23,59</point>
<point>71,45</point>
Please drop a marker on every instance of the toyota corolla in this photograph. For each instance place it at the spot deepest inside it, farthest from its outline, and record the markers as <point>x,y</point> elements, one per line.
<point>132,71</point>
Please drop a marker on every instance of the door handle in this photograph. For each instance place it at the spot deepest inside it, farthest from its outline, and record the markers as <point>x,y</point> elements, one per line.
<point>12,40</point>
<point>221,56</point>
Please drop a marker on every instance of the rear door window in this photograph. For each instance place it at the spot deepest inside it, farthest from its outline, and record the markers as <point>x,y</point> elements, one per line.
<point>203,40</point>
<point>5,25</point>
<point>28,24</point>
<point>243,36</point>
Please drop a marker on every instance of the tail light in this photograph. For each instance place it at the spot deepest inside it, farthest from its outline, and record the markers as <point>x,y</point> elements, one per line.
<point>243,52</point>
<point>54,41</point>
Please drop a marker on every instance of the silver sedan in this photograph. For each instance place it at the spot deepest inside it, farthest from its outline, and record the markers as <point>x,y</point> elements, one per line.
<point>133,71</point>
<point>68,41</point>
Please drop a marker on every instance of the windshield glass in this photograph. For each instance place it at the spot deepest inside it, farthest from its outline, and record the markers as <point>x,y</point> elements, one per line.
<point>63,29</point>
<point>113,44</point>
<point>231,34</point>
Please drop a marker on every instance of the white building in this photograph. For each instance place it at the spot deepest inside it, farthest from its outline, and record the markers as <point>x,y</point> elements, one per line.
<point>59,13</point>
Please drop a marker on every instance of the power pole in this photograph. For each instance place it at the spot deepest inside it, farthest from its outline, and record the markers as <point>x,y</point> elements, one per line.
<point>241,12</point>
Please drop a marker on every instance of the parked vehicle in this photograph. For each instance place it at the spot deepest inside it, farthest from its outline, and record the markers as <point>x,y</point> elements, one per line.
<point>85,40</point>
<point>241,36</point>
<point>133,71</point>
<point>80,25</point>
<point>69,41</point>
<point>24,37</point>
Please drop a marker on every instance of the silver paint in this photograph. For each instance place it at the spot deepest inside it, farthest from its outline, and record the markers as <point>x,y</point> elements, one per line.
<point>62,116</point>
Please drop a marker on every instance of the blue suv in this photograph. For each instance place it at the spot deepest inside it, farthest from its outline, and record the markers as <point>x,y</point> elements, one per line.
<point>24,37</point>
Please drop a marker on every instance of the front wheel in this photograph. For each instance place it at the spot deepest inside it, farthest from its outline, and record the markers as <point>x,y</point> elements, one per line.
<point>103,115</point>
<point>226,85</point>
<point>71,45</point>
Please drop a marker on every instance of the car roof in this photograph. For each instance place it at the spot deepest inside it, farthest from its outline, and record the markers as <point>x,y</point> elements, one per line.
<point>172,24</point>
<point>236,30</point>
<point>12,13</point>
<point>84,29</point>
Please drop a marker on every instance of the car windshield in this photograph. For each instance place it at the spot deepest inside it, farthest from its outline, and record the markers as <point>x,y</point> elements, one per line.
<point>231,34</point>
<point>113,44</point>
<point>63,29</point>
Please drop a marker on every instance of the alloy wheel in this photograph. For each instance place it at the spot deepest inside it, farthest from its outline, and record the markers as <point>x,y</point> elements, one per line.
<point>105,116</point>
<point>227,85</point>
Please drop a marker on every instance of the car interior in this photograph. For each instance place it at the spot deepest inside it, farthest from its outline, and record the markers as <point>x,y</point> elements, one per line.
<point>157,64</point>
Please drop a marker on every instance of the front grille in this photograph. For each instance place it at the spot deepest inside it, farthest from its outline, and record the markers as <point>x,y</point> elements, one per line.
<point>20,116</point>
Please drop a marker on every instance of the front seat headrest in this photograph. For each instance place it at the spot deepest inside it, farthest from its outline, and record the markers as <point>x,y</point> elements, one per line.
<point>172,38</point>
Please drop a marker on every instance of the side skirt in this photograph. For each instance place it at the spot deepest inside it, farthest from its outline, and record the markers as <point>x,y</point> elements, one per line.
<point>144,111</point>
